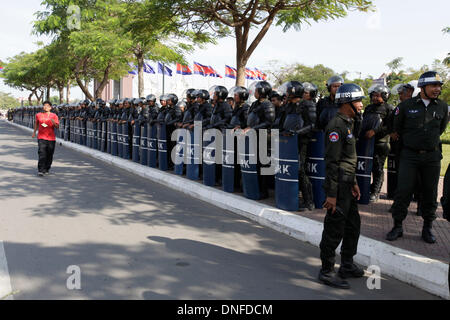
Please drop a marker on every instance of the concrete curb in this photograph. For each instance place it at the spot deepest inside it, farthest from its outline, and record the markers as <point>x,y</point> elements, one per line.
<point>419,271</point>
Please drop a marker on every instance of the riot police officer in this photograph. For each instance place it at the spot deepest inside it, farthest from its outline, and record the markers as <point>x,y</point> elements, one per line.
<point>419,122</point>
<point>405,92</point>
<point>238,121</point>
<point>342,221</point>
<point>150,100</point>
<point>379,112</point>
<point>309,114</point>
<point>261,115</point>
<point>327,107</point>
<point>277,101</point>
<point>299,118</point>
<point>240,108</point>
<point>222,112</point>
<point>190,110</point>
<point>204,108</point>
<point>162,111</point>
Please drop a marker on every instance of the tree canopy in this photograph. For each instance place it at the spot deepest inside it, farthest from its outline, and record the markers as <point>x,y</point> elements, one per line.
<point>237,18</point>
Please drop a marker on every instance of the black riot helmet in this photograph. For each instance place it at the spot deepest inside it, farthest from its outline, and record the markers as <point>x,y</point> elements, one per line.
<point>136,101</point>
<point>100,102</point>
<point>263,88</point>
<point>382,89</point>
<point>311,88</point>
<point>220,92</point>
<point>294,89</point>
<point>172,98</point>
<point>348,93</point>
<point>242,93</point>
<point>275,94</point>
<point>150,98</point>
<point>189,93</point>
<point>334,79</point>
<point>429,77</point>
<point>201,93</point>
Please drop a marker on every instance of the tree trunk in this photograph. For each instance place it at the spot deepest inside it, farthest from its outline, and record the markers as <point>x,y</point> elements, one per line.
<point>61,92</point>
<point>140,60</point>
<point>104,82</point>
<point>47,97</point>
<point>83,86</point>
<point>68,92</point>
<point>243,53</point>
<point>241,47</point>
<point>39,97</point>
<point>30,97</point>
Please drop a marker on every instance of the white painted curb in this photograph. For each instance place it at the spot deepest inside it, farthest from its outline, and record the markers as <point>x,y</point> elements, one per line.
<point>5,281</point>
<point>419,271</point>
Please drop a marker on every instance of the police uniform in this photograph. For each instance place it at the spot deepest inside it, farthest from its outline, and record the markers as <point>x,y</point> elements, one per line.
<point>344,224</point>
<point>340,164</point>
<point>445,199</point>
<point>261,115</point>
<point>420,128</point>
<point>326,110</point>
<point>382,144</point>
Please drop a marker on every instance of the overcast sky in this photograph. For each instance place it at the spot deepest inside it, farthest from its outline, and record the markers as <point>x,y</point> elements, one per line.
<point>361,42</point>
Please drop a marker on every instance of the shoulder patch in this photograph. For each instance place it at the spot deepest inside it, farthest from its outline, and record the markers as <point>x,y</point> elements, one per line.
<point>397,111</point>
<point>334,136</point>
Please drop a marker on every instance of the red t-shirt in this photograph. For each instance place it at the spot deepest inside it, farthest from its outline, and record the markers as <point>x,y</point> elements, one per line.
<point>45,125</point>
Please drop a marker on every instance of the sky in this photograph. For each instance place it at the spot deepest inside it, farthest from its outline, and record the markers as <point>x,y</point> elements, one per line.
<point>359,43</point>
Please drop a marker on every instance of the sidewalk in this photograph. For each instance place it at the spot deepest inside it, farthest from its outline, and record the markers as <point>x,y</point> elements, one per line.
<point>408,259</point>
<point>376,222</point>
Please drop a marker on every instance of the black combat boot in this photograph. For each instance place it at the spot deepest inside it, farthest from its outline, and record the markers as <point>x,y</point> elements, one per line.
<point>330,278</point>
<point>307,203</point>
<point>350,270</point>
<point>427,235</point>
<point>396,232</point>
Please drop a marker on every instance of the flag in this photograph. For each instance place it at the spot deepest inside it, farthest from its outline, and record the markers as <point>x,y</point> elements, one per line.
<point>148,69</point>
<point>260,75</point>
<point>184,70</point>
<point>249,74</point>
<point>230,72</point>
<point>200,69</point>
<point>213,73</point>
<point>133,69</point>
<point>167,71</point>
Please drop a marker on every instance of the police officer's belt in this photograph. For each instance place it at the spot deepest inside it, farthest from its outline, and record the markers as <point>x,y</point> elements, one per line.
<point>422,151</point>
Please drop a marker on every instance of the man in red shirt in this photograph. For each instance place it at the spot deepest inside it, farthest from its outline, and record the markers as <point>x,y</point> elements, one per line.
<point>46,122</point>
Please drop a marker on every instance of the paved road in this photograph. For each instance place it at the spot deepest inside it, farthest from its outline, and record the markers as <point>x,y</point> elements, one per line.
<point>134,239</point>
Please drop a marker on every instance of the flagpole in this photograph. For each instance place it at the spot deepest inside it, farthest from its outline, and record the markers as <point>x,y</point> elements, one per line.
<point>163,73</point>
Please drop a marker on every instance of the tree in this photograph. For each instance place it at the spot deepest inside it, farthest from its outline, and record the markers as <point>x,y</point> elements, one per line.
<point>447,59</point>
<point>24,72</point>
<point>98,46</point>
<point>59,65</point>
<point>226,17</point>
<point>395,64</point>
<point>7,101</point>
<point>157,35</point>
<point>318,75</point>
